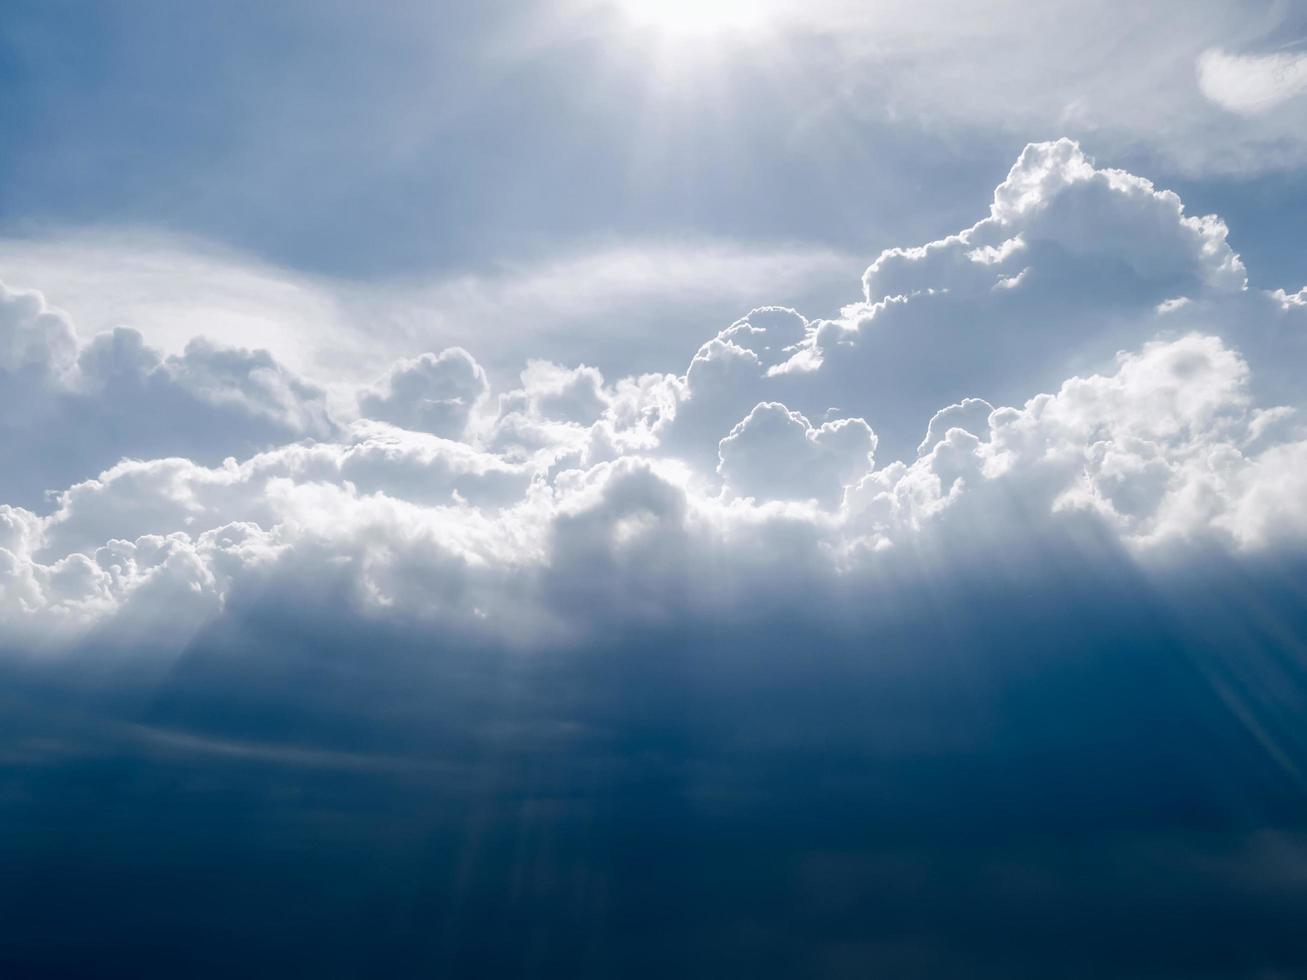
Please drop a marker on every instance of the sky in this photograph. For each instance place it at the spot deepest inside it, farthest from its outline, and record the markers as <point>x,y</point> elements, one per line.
<point>609,488</point>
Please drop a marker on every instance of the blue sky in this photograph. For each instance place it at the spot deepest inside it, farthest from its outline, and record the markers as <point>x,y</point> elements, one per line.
<point>429,138</point>
<point>599,488</point>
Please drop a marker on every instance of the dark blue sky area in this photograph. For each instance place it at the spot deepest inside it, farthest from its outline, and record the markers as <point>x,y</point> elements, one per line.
<point>1026,776</point>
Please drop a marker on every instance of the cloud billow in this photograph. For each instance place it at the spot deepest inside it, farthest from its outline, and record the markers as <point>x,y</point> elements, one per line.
<point>447,508</point>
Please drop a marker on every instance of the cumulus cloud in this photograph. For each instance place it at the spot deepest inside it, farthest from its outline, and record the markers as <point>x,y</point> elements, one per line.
<point>1168,446</point>
<point>1059,386</point>
<point>431,393</point>
<point>777,454</point>
<point>554,410</point>
<point>550,391</point>
<point>33,338</point>
<point>71,409</point>
<point>1071,265</point>
<point>970,415</point>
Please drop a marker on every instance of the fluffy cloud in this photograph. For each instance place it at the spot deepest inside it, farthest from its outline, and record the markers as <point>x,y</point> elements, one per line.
<point>70,410</point>
<point>34,340</point>
<point>432,393</point>
<point>1070,266</point>
<point>970,415</point>
<point>1057,387</point>
<point>1167,447</point>
<point>777,454</point>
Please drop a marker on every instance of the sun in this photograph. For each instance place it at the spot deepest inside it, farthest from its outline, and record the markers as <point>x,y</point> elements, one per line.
<point>701,18</point>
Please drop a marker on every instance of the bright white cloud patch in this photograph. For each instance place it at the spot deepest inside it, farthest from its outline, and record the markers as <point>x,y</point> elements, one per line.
<point>68,410</point>
<point>1027,375</point>
<point>774,453</point>
<point>1252,83</point>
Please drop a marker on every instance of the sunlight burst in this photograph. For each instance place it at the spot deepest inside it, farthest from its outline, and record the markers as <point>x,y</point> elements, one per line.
<point>697,17</point>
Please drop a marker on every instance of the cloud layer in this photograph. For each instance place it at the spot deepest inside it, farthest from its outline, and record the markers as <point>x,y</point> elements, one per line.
<point>1086,355</point>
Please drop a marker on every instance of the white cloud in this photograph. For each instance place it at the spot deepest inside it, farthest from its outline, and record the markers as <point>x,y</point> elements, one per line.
<point>1252,83</point>
<point>1290,301</point>
<point>431,393</point>
<point>970,415</point>
<point>173,289</point>
<point>776,454</point>
<point>71,409</point>
<point>34,340</point>
<point>1089,254</point>
<point>573,501</point>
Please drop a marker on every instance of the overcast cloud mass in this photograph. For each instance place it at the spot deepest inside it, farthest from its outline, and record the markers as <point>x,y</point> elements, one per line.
<point>463,514</point>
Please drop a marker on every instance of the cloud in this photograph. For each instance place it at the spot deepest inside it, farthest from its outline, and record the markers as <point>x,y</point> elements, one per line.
<point>173,288</point>
<point>37,341</point>
<point>71,408</point>
<point>1252,83</point>
<point>550,391</point>
<point>431,393</point>
<point>1167,447</point>
<point>970,415</point>
<point>573,501</point>
<point>1069,267</point>
<point>776,454</point>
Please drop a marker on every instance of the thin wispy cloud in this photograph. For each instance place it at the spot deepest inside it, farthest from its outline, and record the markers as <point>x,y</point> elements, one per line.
<point>1252,83</point>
